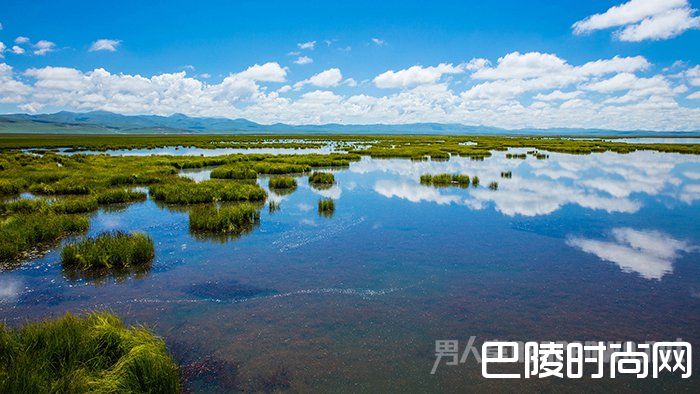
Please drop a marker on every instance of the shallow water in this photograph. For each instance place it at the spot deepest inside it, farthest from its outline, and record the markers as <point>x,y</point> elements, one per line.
<point>574,247</point>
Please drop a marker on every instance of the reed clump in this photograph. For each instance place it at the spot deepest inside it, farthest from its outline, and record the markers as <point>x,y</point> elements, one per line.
<point>75,205</point>
<point>506,174</point>
<point>112,253</point>
<point>120,196</point>
<point>282,182</point>
<point>321,178</point>
<point>189,192</point>
<point>234,171</point>
<point>326,207</point>
<point>493,185</point>
<point>444,180</point>
<point>92,353</point>
<point>226,220</point>
<point>21,233</point>
<point>516,156</point>
<point>475,181</point>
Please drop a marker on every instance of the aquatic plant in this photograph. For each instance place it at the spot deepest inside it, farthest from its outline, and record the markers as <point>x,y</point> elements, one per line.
<point>116,196</point>
<point>229,219</point>
<point>20,233</point>
<point>326,207</point>
<point>265,167</point>
<point>92,353</point>
<point>493,185</point>
<point>282,182</point>
<point>321,178</point>
<point>65,186</point>
<point>475,181</point>
<point>506,174</point>
<point>235,171</point>
<point>442,180</point>
<point>189,192</point>
<point>516,156</point>
<point>75,205</point>
<point>8,187</point>
<point>273,206</point>
<point>111,253</point>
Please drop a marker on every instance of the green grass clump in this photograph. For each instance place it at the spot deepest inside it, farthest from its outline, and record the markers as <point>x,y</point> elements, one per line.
<point>493,185</point>
<point>265,167</point>
<point>273,206</point>
<point>475,181</point>
<point>183,192</point>
<point>506,174</point>
<point>442,180</point>
<point>282,182</point>
<point>109,253</point>
<point>93,353</point>
<point>8,187</point>
<point>321,178</point>
<point>233,172</point>
<point>326,207</point>
<point>75,205</point>
<point>21,233</point>
<point>227,220</point>
<point>118,196</point>
<point>521,156</point>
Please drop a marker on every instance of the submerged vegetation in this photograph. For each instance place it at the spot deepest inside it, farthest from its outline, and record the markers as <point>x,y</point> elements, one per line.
<point>443,180</point>
<point>114,253</point>
<point>93,353</point>
<point>231,220</point>
<point>326,207</point>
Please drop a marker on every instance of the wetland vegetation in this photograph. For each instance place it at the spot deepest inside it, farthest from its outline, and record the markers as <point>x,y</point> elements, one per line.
<point>91,353</point>
<point>326,207</point>
<point>232,220</point>
<point>282,182</point>
<point>444,180</point>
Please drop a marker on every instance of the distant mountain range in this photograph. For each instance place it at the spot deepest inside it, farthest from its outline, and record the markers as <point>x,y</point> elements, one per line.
<point>103,122</point>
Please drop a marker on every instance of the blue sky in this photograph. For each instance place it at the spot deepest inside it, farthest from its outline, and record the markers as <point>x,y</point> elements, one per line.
<point>442,61</point>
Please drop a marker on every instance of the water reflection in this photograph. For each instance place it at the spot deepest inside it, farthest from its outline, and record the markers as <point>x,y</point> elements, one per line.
<point>608,181</point>
<point>649,253</point>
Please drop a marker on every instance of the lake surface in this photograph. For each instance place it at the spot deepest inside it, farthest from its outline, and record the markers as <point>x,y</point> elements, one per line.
<point>574,247</point>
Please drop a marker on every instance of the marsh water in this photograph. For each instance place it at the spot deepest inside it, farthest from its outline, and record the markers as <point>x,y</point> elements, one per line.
<point>574,247</point>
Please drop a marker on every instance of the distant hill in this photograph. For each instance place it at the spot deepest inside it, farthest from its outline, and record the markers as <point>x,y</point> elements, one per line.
<point>102,122</point>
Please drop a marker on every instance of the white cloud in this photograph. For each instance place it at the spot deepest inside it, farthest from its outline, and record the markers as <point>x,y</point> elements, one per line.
<point>21,40</point>
<point>325,79</point>
<point>416,75</point>
<point>643,20</point>
<point>378,41</point>
<point>17,50</point>
<point>649,253</point>
<point>268,72</point>
<point>304,60</point>
<point>2,49</point>
<point>105,44</point>
<point>558,95</point>
<point>694,96</point>
<point>307,45</point>
<point>42,47</point>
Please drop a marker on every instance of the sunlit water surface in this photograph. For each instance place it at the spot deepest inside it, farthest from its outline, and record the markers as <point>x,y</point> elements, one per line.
<point>574,247</point>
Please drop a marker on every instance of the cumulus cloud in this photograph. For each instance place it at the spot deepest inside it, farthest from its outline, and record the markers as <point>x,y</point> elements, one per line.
<point>649,253</point>
<point>21,40</point>
<point>42,47</point>
<point>17,50</point>
<point>416,75</point>
<point>325,79</point>
<point>378,42</point>
<point>301,60</point>
<point>105,44</point>
<point>307,45</point>
<point>641,20</point>
<point>518,90</point>
<point>2,49</point>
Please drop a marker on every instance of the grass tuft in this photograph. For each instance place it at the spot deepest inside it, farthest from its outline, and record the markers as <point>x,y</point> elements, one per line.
<point>118,196</point>
<point>93,353</point>
<point>282,182</point>
<point>112,253</point>
<point>227,220</point>
<point>321,178</point>
<point>326,207</point>
<point>443,180</point>
<point>183,192</point>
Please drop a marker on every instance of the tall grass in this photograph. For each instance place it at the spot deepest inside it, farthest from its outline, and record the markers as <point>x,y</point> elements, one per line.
<point>93,353</point>
<point>506,174</point>
<point>8,187</point>
<point>21,233</point>
<point>321,178</point>
<point>442,180</point>
<point>226,220</point>
<point>112,253</point>
<point>475,181</point>
<point>117,196</point>
<point>265,167</point>
<point>183,192</point>
<point>234,171</point>
<point>75,205</point>
<point>493,185</point>
<point>273,206</point>
<point>282,182</point>
<point>326,207</point>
